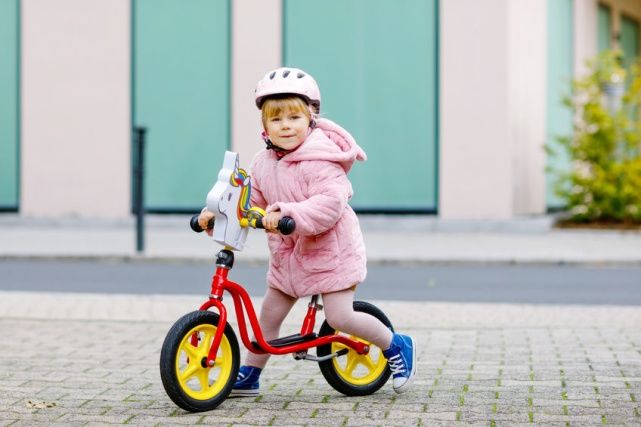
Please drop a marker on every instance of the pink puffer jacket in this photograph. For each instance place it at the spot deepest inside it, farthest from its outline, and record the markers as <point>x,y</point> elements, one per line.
<point>326,252</point>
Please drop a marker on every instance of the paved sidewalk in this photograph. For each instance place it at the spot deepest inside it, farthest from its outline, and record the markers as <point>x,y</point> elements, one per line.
<point>409,239</point>
<point>87,359</point>
<point>92,359</point>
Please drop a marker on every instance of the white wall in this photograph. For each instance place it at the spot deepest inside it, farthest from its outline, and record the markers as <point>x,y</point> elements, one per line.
<point>527,96</point>
<point>475,156</point>
<point>256,49</point>
<point>75,147</point>
<point>585,34</point>
<point>492,108</point>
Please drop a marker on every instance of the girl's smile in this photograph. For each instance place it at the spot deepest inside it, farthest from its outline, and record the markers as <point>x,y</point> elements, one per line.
<point>287,130</point>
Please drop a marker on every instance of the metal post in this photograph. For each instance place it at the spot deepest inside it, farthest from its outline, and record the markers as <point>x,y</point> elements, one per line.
<point>139,199</point>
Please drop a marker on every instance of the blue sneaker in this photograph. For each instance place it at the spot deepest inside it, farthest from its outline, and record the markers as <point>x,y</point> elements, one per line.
<point>246,382</point>
<point>401,356</point>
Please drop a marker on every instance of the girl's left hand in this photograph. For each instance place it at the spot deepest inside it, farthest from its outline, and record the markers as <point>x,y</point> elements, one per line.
<point>270,221</point>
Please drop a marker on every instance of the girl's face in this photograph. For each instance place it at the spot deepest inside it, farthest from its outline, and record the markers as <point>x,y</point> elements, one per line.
<point>287,129</point>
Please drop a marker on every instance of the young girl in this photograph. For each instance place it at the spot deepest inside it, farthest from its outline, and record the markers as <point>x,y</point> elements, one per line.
<point>303,174</point>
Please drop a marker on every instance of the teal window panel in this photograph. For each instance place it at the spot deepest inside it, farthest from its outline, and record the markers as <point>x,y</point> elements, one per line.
<point>181,95</point>
<point>9,103</point>
<point>604,28</point>
<point>377,67</point>
<point>559,77</point>
<point>629,39</point>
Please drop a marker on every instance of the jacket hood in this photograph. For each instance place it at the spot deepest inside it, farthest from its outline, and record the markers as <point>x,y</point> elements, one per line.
<point>328,141</point>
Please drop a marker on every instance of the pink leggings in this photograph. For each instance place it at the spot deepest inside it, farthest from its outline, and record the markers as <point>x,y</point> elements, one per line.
<point>339,313</point>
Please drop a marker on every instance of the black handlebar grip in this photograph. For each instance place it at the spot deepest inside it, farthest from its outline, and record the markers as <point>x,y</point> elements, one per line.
<point>286,225</point>
<point>193,223</point>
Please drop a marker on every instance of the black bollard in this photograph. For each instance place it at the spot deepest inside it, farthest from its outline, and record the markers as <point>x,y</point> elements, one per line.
<point>139,200</point>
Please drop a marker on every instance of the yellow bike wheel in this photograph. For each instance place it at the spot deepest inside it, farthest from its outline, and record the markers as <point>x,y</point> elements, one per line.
<point>354,374</point>
<point>188,380</point>
<point>359,369</point>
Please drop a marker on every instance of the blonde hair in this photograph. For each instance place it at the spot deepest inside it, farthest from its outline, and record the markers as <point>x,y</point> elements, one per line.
<point>274,106</point>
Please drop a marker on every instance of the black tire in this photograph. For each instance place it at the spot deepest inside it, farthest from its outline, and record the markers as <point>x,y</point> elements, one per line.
<point>174,361</point>
<point>333,370</point>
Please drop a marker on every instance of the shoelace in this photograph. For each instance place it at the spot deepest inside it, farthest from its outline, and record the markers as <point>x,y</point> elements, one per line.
<point>396,364</point>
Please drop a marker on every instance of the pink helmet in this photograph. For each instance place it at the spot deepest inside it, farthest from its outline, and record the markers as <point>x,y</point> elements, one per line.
<point>288,80</point>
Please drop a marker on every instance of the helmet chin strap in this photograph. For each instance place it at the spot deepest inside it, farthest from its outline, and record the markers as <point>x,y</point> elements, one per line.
<point>270,145</point>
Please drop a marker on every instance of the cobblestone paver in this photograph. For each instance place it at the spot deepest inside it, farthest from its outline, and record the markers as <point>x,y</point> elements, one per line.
<point>478,364</point>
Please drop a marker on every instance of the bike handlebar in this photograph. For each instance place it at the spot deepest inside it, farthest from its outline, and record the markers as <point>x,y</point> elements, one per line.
<point>193,223</point>
<point>286,225</point>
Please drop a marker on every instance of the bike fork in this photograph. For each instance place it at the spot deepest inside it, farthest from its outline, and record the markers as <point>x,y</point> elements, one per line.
<point>220,329</point>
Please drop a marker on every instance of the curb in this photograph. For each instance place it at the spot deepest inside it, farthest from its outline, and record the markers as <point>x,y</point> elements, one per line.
<point>135,258</point>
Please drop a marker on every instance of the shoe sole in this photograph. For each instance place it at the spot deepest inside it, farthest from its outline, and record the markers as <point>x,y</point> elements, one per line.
<point>406,384</point>
<point>243,393</point>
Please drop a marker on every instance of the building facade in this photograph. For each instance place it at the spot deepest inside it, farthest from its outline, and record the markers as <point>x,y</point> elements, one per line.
<point>453,100</point>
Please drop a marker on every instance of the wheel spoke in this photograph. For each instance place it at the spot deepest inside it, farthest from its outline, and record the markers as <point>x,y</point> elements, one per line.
<point>205,344</point>
<point>339,346</point>
<point>352,362</point>
<point>190,371</point>
<point>368,362</point>
<point>203,378</point>
<point>192,352</point>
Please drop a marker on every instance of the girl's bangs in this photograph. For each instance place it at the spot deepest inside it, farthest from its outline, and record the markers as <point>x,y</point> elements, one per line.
<point>275,106</point>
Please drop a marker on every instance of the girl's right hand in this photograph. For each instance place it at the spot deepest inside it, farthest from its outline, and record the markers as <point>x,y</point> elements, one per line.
<point>203,220</point>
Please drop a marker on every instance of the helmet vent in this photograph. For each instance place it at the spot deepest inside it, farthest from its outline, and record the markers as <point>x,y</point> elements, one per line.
<point>300,75</point>
<point>286,73</point>
<point>271,76</point>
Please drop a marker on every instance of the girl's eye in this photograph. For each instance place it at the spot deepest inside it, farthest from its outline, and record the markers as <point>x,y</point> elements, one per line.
<point>295,117</point>
<point>274,119</point>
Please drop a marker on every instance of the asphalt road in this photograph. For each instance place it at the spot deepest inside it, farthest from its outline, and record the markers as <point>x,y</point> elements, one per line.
<point>454,283</point>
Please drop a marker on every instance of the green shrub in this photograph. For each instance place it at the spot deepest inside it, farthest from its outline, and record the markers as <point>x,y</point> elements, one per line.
<point>603,182</point>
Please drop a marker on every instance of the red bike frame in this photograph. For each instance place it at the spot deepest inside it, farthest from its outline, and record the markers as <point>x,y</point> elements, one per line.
<point>220,283</point>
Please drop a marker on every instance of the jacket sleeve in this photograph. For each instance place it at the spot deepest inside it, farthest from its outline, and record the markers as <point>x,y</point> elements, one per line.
<point>329,191</point>
<point>256,197</point>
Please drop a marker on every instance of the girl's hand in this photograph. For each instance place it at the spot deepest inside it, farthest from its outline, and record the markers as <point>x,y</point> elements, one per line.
<point>270,221</point>
<point>204,218</point>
